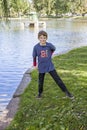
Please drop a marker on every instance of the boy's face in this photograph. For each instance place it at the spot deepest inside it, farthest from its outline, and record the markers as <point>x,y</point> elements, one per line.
<point>42,39</point>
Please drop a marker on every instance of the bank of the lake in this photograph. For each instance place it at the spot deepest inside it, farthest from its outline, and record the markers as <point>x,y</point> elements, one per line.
<point>54,111</point>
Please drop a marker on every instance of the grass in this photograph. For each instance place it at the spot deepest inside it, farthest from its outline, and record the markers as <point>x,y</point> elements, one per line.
<point>54,111</point>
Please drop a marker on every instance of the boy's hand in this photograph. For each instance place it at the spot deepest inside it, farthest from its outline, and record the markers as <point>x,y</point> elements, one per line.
<point>34,67</point>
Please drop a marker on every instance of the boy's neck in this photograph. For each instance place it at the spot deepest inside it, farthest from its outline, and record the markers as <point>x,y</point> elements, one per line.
<point>43,44</point>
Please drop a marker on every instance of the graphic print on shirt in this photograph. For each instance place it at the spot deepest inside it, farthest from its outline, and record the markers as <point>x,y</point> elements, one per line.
<point>44,53</point>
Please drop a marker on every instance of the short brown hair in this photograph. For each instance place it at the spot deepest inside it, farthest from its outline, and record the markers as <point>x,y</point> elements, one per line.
<point>42,33</point>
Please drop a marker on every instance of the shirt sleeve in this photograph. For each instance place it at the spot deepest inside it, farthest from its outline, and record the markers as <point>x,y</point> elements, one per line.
<point>34,62</point>
<point>34,56</point>
<point>53,48</point>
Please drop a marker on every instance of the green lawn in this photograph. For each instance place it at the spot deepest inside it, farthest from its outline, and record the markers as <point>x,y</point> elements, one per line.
<point>54,111</point>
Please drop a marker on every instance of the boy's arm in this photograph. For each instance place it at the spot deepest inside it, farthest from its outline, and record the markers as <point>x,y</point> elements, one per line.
<point>34,61</point>
<point>53,48</point>
<point>52,51</point>
<point>34,57</point>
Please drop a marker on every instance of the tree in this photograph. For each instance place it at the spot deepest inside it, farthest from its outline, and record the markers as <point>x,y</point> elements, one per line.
<point>42,7</point>
<point>4,6</point>
<point>11,7</point>
<point>45,6</point>
<point>49,7</point>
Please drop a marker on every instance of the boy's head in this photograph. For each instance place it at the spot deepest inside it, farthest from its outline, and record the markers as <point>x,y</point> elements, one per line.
<point>42,36</point>
<point>42,33</point>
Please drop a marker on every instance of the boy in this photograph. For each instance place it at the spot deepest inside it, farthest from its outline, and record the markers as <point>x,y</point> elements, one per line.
<point>43,50</point>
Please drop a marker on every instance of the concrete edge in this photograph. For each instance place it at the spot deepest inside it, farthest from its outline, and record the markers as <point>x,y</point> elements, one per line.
<point>11,109</point>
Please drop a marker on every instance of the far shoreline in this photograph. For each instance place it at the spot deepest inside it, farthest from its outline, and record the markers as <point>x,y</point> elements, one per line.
<point>43,18</point>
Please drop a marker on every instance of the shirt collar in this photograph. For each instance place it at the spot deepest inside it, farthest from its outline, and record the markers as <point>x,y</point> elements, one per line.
<point>43,44</point>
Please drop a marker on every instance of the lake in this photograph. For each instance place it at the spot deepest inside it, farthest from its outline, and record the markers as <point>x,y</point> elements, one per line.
<point>16,44</point>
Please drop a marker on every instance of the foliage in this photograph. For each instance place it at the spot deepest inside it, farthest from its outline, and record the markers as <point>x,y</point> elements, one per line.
<point>14,8</point>
<point>4,5</point>
<point>49,7</point>
<point>54,111</point>
<point>43,7</point>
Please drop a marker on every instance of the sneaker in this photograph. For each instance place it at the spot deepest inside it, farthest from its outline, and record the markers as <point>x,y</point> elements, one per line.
<point>39,95</point>
<point>68,94</point>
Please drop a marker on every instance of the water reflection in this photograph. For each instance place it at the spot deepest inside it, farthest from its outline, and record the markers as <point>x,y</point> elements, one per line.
<point>16,46</point>
<point>67,34</point>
